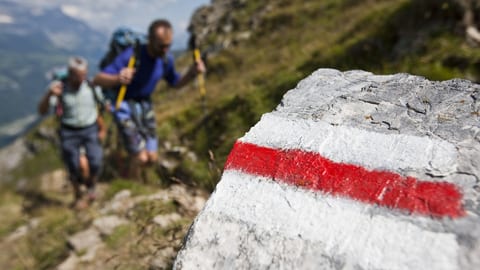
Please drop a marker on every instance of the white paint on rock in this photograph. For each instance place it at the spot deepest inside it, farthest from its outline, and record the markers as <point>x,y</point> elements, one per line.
<point>350,145</point>
<point>304,230</point>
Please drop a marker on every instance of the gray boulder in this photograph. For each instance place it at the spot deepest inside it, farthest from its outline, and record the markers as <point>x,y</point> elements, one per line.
<point>351,171</point>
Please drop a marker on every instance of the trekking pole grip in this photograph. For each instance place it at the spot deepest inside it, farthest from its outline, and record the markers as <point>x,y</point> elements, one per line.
<point>123,88</point>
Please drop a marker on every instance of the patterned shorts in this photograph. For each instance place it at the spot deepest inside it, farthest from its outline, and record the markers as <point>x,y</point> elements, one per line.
<point>137,126</point>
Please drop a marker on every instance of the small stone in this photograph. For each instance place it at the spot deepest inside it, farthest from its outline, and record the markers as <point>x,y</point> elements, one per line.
<point>159,196</point>
<point>122,195</point>
<point>244,35</point>
<point>169,164</point>
<point>55,181</point>
<point>18,233</point>
<point>120,203</point>
<point>34,222</point>
<point>166,220</point>
<point>84,240</point>
<point>23,230</point>
<point>198,203</point>
<point>163,259</point>
<point>70,263</point>
<point>106,225</point>
<point>91,252</point>
<point>192,156</point>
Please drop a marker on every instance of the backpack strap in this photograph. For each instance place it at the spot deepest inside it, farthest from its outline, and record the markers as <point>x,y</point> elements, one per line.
<point>137,49</point>
<point>98,100</point>
<point>59,107</point>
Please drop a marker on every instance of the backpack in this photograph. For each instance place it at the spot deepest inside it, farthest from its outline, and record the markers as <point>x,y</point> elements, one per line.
<point>122,38</point>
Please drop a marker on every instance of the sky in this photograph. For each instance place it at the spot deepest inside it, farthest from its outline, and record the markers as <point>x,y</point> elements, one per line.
<point>106,15</point>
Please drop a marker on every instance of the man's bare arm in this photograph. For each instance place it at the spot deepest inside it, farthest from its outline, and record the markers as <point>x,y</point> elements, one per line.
<point>54,89</point>
<point>192,72</point>
<point>113,80</point>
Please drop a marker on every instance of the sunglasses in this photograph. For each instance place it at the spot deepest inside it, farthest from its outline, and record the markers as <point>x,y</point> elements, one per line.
<point>162,46</point>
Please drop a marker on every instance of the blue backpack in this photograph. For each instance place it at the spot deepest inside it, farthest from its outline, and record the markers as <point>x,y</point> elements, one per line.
<point>58,74</point>
<point>122,38</point>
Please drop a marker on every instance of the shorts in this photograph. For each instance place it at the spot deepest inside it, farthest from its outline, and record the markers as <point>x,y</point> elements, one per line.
<point>136,123</point>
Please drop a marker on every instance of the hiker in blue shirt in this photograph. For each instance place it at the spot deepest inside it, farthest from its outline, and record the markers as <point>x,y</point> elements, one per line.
<point>135,116</point>
<point>80,126</point>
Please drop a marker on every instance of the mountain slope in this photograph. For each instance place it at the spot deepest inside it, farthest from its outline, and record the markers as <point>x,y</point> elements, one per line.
<point>260,51</point>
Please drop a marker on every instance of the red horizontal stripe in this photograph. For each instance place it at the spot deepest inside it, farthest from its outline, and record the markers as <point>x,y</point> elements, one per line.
<point>312,171</point>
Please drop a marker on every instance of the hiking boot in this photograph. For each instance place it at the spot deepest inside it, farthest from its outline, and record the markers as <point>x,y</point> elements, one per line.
<point>91,195</point>
<point>81,204</point>
<point>77,193</point>
<point>83,199</point>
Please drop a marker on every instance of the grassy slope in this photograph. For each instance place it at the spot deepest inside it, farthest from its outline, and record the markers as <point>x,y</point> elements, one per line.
<point>296,38</point>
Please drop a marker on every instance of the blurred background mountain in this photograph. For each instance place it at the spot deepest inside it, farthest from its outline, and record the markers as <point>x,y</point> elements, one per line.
<point>31,43</point>
<point>36,36</point>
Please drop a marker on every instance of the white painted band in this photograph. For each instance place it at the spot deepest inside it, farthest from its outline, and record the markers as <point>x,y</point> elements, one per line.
<point>344,227</point>
<point>350,145</point>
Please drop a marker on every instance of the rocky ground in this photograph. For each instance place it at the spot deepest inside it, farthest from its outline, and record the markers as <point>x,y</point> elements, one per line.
<point>130,226</point>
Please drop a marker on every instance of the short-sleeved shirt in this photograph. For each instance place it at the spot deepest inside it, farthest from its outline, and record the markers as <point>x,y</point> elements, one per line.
<point>150,71</point>
<point>79,106</point>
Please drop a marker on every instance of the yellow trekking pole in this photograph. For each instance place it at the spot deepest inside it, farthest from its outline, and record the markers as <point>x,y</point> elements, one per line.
<point>201,80</point>
<point>123,88</point>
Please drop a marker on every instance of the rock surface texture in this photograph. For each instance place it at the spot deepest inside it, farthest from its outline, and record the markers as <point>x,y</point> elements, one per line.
<point>351,171</point>
<point>223,23</point>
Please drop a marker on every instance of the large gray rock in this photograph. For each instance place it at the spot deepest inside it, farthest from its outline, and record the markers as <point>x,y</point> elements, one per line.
<point>217,25</point>
<point>351,171</point>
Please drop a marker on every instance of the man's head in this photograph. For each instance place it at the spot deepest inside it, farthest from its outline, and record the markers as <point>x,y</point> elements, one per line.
<point>160,36</point>
<point>77,70</point>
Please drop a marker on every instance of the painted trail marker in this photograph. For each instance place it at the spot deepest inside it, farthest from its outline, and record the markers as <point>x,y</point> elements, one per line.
<point>351,171</point>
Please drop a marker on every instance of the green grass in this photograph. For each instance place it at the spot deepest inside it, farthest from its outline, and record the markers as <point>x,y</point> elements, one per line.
<point>11,216</point>
<point>118,185</point>
<point>121,235</point>
<point>47,243</point>
<point>45,159</point>
<point>33,167</point>
<point>160,233</point>
<point>144,212</point>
